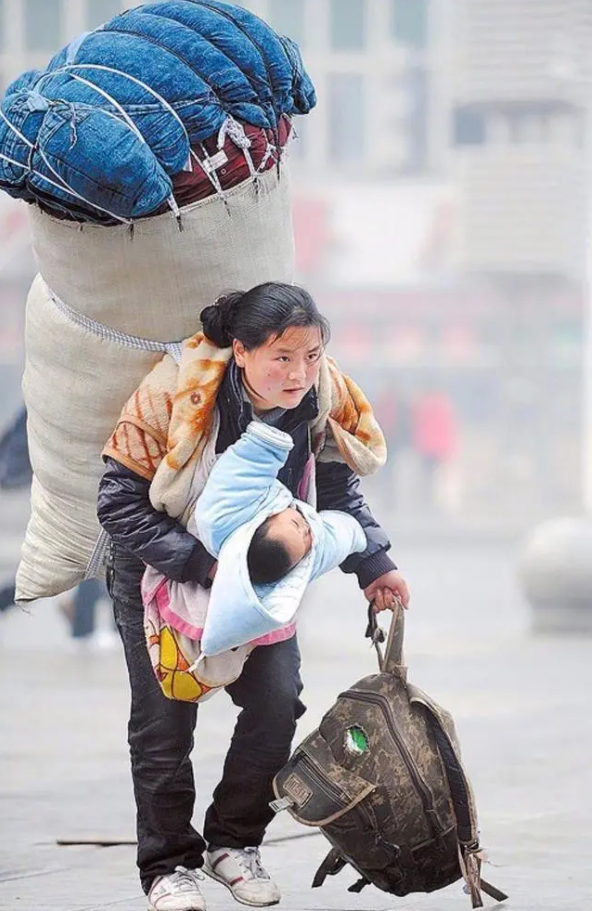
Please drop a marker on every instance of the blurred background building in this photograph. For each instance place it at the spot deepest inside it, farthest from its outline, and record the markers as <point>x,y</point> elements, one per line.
<point>440,209</point>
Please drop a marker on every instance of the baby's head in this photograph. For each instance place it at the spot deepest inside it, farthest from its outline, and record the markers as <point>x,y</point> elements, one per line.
<point>277,546</point>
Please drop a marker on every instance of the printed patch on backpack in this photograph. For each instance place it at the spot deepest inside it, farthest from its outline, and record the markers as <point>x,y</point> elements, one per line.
<point>298,791</point>
<point>356,740</point>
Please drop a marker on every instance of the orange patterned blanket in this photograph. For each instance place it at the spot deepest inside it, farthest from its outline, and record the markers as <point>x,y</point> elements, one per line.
<point>165,425</point>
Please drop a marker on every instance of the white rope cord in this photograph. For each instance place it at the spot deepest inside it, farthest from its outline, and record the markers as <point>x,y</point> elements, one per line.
<point>168,107</point>
<point>98,557</point>
<point>58,186</point>
<point>231,128</point>
<point>149,89</point>
<point>68,189</point>
<point>128,120</point>
<point>63,186</point>
<point>269,150</point>
<point>236,133</point>
<point>16,130</point>
<point>113,335</point>
<point>211,174</point>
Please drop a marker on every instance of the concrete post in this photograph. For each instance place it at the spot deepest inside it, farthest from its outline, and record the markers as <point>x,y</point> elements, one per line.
<point>555,571</point>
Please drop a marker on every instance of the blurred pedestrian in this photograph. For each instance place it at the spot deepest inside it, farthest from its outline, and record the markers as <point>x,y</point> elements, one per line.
<point>393,412</point>
<point>15,474</point>
<point>81,609</point>
<point>15,465</point>
<point>80,606</point>
<point>7,593</point>
<point>435,437</point>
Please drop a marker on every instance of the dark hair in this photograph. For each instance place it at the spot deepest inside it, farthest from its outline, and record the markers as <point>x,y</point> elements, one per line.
<point>267,310</point>
<point>268,559</point>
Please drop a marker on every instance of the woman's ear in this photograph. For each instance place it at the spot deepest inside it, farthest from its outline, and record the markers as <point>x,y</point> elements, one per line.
<point>238,350</point>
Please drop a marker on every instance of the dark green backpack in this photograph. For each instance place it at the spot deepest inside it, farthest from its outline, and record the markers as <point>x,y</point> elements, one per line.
<point>383,780</point>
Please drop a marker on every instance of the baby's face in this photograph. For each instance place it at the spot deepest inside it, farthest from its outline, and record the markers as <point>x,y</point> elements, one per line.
<point>294,531</point>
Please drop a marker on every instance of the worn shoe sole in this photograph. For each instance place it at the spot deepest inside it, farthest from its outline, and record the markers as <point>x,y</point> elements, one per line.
<point>205,869</point>
<point>195,907</point>
<point>201,907</point>
<point>152,907</point>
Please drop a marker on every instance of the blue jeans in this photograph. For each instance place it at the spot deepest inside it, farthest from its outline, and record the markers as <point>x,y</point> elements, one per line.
<point>161,740</point>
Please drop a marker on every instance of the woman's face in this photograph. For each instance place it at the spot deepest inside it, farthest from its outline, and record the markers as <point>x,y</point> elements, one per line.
<point>280,372</point>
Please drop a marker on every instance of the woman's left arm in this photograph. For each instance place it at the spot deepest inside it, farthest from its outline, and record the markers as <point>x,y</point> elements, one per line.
<point>338,487</point>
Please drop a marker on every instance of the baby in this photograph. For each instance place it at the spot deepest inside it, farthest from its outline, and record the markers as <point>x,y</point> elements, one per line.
<point>269,545</point>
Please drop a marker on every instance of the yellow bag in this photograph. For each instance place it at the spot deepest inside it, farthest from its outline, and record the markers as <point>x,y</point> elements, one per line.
<point>176,658</point>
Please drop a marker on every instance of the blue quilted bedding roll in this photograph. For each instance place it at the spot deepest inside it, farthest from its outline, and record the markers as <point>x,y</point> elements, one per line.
<point>99,134</point>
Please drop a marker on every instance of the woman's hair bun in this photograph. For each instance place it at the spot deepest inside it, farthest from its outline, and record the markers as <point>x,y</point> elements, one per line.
<point>218,319</point>
<point>211,321</point>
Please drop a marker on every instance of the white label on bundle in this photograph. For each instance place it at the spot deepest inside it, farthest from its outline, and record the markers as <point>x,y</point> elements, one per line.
<point>215,162</point>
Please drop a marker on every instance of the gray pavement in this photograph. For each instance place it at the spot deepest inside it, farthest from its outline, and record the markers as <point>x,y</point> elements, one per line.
<point>522,706</point>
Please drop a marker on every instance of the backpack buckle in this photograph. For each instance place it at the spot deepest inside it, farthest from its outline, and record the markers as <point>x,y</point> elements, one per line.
<point>283,803</point>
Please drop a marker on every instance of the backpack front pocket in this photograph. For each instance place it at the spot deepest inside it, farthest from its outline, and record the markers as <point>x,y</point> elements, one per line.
<point>316,789</point>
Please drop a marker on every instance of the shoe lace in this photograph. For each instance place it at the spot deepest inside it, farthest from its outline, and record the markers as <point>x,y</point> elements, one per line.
<point>186,880</point>
<point>249,860</point>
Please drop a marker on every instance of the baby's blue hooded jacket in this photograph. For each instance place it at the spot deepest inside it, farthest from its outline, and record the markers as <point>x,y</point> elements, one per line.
<point>241,492</point>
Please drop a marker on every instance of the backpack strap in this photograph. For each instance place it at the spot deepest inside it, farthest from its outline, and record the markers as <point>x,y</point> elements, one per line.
<point>492,891</point>
<point>331,866</point>
<point>470,866</point>
<point>392,661</point>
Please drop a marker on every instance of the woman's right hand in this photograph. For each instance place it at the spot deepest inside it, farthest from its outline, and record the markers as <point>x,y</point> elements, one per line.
<point>387,590</point>
<point>213,571</point>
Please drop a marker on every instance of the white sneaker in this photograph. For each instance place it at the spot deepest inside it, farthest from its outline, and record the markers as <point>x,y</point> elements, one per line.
<point>178,891</point>
<point>240,870</point>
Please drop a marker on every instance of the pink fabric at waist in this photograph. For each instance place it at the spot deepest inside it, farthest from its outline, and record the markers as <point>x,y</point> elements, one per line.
<point>163,603</point>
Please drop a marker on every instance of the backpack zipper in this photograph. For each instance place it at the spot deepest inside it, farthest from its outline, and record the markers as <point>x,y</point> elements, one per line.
<point>426,795</point>
<point>327,787</point>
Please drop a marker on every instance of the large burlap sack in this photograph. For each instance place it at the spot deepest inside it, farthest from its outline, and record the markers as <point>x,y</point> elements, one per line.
<point>99,316</point>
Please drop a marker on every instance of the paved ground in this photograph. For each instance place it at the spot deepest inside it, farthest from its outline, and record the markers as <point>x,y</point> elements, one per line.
<point>522,706</point>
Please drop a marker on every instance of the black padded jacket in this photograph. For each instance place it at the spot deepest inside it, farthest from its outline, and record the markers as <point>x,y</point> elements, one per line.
<point>125,511</point>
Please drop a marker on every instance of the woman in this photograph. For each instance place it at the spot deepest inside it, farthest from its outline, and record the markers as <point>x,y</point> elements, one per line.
<point>262,357</point>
